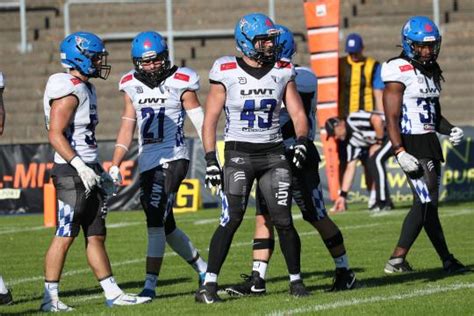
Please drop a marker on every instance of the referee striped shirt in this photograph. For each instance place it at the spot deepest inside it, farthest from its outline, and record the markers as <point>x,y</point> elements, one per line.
<point>360,133</point>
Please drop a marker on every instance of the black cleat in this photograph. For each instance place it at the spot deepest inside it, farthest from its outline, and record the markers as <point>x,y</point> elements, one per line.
<point>253,285</point>
<point>298,289</point>
<point>6,299</point>
<point>344,279</point>
<point>207,294</point>
<point>453,266</point>
<point>397,265</point>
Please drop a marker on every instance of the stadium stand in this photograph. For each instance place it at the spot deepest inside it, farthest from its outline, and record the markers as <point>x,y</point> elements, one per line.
<point>378,22</point>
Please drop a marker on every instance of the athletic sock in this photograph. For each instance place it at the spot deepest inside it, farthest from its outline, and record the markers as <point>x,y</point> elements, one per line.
<point>51,290</point>
<point>260,267</point>
<point>295,277</point>
<point>3,288</point>
<point>342,261</point>
<point>210,278</point>
<point>110,287</point>
<point>150,281</point>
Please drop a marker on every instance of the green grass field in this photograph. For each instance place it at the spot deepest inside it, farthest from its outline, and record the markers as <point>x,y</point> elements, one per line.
<point>369,240</point>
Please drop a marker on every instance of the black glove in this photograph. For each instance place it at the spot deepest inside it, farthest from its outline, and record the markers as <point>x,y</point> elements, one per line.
<point>213,172</point>
<point>300,149</point>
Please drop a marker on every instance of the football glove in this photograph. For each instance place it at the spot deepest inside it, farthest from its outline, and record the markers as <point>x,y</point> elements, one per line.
<point>300,149</point>
<point>213,172</point>
<point>456,136</point>
<point>107,184</point>
<point>88,176</point>
<point>407,162</point>
<point>114,173</point>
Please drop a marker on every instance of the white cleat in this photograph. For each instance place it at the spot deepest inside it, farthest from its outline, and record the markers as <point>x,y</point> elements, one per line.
<point>55,306</point>
<point>127,299</point>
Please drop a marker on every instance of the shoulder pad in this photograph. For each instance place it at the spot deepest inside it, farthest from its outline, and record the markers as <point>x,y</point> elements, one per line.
<point>226,63</point>
<point>60,85</point>
<point>283,64</point>
<point>184,78</point>
<point>126,79</point>
<point>306,80</point>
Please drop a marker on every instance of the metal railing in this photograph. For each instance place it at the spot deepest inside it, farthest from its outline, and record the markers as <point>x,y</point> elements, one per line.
<point>169,34</point>
<point>21,5</point>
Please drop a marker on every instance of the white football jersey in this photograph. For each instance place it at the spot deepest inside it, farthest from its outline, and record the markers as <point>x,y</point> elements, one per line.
<point>252,105</point>
<point>419,98</point>
<point>306,82</point>
<point>160,116</point>
<point>81,130</point>
<point>2,81</point>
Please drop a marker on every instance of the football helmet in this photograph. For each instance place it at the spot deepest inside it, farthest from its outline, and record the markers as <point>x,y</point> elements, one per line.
<point>148,47</point>
<point>420,30</point>
<point>287,43</point>
<point>251,33</point>
<point>86,53</point>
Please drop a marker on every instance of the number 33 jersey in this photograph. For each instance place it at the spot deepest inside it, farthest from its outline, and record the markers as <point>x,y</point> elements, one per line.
<point>81,130</point>
<point>420,98</point>
<point>160,116</point>
<point>252,104</point>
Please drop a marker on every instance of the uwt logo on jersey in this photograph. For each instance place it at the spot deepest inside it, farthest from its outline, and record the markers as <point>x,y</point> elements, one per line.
<point>257,92</point>
<point>151,100</point>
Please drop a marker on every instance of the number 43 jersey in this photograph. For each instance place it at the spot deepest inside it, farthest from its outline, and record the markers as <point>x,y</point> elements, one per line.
<point>160,116</point>
<point>253,103</point>
<point>81,130</point>
<point>420,98</point>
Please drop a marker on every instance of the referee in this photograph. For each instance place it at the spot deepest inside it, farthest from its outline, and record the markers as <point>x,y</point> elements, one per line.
<point>363,135</point>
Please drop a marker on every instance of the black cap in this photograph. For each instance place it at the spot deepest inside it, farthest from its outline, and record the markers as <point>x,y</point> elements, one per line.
<point>330,126</point>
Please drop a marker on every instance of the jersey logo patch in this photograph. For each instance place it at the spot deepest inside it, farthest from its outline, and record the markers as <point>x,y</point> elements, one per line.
<point>126,78</point>
<point>283,64</point>
<point>181,76</point>
<point>76,81</point>
<point>228,66</point>
<point>405,68</point>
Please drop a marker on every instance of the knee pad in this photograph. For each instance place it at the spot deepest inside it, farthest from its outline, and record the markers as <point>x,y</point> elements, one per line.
<point>334,241</point>
<point>263,243</point>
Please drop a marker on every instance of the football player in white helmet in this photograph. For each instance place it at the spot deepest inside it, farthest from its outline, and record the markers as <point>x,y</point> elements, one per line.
<point>70,107</point>
<point>251,89</point>
<point>157,98</point>
<point>413,115</point>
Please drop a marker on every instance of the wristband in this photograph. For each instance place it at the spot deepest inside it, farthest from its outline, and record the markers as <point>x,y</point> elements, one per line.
<point>122,146</point>
<point>343,194</point>
<point>395,148</point>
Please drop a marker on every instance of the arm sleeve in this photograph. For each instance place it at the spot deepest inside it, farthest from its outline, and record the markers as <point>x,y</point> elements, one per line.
<point>442,124</point>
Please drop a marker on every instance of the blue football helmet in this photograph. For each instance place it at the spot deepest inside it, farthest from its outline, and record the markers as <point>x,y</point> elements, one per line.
<point>420,30</point>
<point>251,32</point>
<point>86,53</point>
<point>287,45</point>
<point>150,46</point>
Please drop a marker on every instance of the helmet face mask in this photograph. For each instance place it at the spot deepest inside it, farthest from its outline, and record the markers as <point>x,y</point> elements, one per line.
<point>86,53</point>
<point>421,40</point>
<point>257,38</point>
<point>150,57</point>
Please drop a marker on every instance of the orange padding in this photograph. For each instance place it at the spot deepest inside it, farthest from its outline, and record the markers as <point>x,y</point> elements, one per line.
<point>325,67</point>
<point>321,13</point>
<point>323,42</point>
<point>50,206</point>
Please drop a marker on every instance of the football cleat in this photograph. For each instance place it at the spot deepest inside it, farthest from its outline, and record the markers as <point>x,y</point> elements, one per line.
<point>127,299</point>
<point>207,294</point>
<point>298,289</point>
<point>55,306</point>
<point>253,285</point>
<point>147,293</point>
<point>6,298</point>
<point>397,265</point>
<point>344,279</point>
<point>452,265</point>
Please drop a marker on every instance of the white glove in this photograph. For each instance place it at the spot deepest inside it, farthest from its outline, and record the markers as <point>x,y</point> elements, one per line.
<point>88,176</point>
<point>107,184</point>
<point>114,173</point>
<point>456,136</point>
<point>407,162</point>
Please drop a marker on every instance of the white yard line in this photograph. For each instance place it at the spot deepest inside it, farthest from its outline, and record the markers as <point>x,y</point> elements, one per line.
<point>374,299</point>
<point>35,228</point>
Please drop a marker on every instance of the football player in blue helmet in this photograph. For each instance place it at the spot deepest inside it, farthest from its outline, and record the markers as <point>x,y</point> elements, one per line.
<point>86,53</point>
<point>421,40</point>
<point>257,38</point>
<point>150,57</point>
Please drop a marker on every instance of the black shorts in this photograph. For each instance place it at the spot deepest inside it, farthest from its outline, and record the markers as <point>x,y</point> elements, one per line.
<point>75,210</point>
